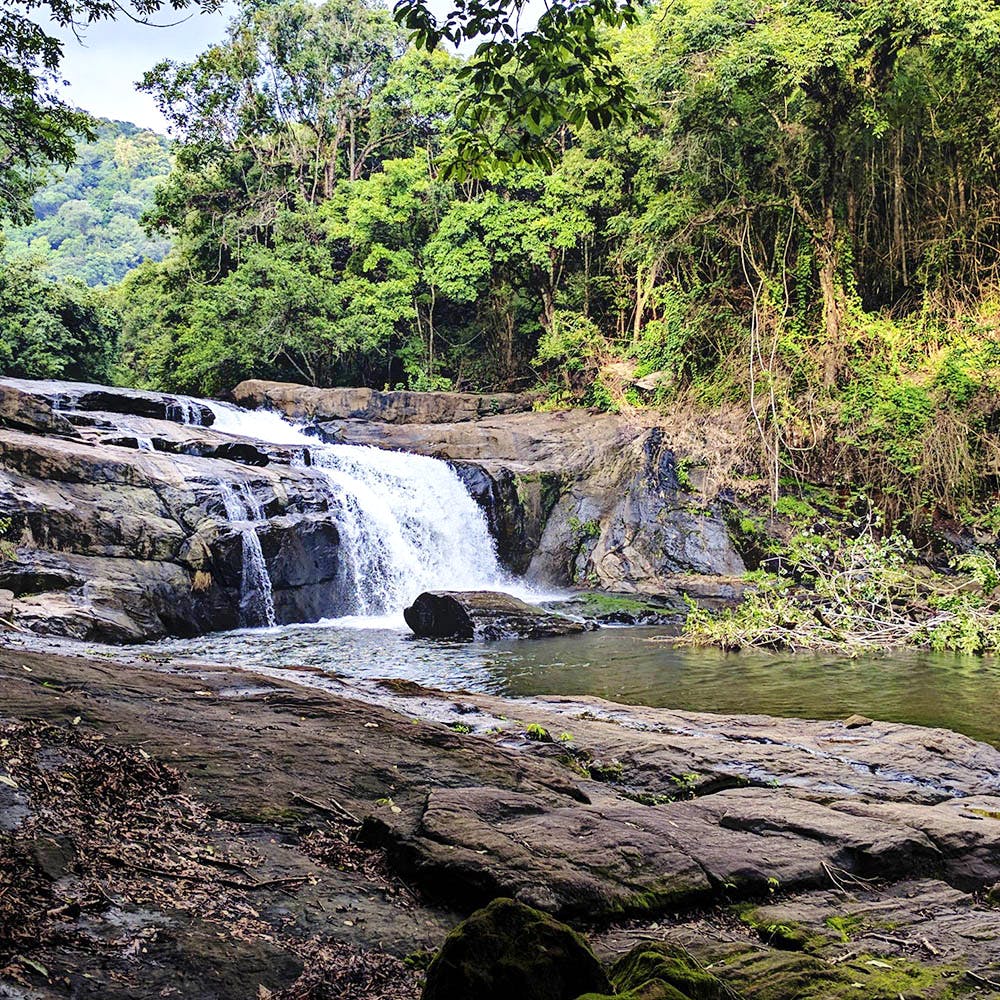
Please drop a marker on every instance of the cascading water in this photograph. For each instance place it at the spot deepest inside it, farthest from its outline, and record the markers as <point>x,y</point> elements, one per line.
<point>407,523</point>
<point>184,411</point>
<point>256,599</point>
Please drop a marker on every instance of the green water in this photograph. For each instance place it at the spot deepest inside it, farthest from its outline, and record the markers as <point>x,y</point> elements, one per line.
<point>630,665</point>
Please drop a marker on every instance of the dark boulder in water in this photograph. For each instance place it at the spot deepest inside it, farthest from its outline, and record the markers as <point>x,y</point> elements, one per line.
<point>510,950</point>
<point>483,614</point>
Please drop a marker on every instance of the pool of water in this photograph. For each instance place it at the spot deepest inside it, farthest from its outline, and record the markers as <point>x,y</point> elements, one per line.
<point>637,666</point>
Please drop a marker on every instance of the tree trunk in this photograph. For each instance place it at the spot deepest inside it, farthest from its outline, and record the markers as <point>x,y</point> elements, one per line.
<point>833,299</point>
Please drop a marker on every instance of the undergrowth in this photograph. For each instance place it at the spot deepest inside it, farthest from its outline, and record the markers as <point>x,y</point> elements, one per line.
<point>851,594</point>
<point>913,416</point>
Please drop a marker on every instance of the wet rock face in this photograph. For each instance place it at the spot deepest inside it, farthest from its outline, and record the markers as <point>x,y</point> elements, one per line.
<point>81,397</point>
<point>485,615</point>
<point>508,950</point>
<point>303,559</point>
<point>115,541</point>
<point>575,498</point>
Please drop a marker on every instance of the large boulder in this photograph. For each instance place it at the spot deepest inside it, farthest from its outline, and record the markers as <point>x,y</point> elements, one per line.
<point>30,412</point>
<point>300,402</point>
<point>483,614</point>
<point>104,539</point>
<point>508,950</point>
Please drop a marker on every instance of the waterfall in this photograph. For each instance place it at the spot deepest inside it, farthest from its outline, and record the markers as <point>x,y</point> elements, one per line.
<point>184,411</point>
<point>406,522</point>
<point>408,525</point>
<point>256,599</point>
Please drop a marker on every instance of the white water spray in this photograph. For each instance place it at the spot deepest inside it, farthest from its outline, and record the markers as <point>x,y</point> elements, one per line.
<point>256,599</point>
<point>407,523</point>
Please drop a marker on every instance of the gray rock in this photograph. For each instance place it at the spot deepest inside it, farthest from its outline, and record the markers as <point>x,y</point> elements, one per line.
<point>483,614</point>
<point>53,854</point>
<point>399,407</point>
<point>124,544</point>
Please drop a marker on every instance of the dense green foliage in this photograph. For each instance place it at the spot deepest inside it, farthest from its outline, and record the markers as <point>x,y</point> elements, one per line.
<point>803,225</point>
<point>50,330</point>
<point>87,216</point>
<point>37,127</point>
<point>859,594</point>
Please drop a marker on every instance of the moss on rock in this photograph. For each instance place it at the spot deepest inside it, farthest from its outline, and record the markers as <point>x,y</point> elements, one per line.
<point>509,950</point>
<point>759,974</point>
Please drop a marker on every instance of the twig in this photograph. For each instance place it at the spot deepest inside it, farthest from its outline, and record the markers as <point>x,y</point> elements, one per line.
<point>841,958</point>
<point>841,879</point>
<point>203,859</point>
<point>982,980</point>
<point>892,940</point>
<point>334,809</point>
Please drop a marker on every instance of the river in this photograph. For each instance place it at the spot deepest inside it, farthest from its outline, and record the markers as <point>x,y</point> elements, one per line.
<point>637,666</point>
<point>408,524</point>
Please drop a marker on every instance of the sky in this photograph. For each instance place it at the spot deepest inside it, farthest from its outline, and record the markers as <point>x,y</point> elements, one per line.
<point>102,72</point>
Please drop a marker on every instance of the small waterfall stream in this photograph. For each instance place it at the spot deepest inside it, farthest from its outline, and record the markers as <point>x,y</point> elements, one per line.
<point>407,523</point>
<point>256,599</point>
<point>184,412</point>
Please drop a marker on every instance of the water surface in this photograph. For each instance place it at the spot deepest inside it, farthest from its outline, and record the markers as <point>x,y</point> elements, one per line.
<point>631,665</point>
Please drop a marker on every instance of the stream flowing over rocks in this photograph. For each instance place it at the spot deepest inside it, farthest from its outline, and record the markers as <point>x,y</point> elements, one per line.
<point>170,827</point>
<point>136,514</point>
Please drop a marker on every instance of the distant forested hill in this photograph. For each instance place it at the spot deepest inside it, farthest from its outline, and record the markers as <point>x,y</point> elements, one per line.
<point>87,217</point>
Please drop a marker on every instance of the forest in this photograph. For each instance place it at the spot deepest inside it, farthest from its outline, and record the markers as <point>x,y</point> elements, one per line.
<point>87,218</point>
<point>792,236</point>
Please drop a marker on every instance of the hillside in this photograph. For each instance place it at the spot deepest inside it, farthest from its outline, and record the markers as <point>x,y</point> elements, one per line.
<point>87,217</point>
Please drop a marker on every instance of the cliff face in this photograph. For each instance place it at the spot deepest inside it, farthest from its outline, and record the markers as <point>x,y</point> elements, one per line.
<point>574,497</point>
<point>119,517</point>
<point>116,522</point>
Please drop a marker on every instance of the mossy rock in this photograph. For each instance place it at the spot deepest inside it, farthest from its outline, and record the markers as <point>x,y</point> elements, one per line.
<point>509,950</point>
<point>759,974</point>
<point>661,971</point>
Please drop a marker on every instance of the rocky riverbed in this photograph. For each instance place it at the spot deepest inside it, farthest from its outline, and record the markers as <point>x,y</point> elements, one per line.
<point>204,832</point>
<point>126,515</point>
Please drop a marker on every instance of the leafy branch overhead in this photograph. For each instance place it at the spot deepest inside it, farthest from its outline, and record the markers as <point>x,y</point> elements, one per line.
<point>37,126</point>
<point>525,80</point>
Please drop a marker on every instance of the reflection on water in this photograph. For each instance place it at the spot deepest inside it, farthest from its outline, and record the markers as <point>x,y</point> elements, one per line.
<point>626,665</point>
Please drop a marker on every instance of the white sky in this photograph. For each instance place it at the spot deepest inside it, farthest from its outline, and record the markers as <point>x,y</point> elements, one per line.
<point>102,72</point>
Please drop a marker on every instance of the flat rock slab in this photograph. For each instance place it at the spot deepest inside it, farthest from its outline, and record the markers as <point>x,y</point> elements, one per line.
<point>300,402</point>
<point>485,615</point>
<point>516,811</point>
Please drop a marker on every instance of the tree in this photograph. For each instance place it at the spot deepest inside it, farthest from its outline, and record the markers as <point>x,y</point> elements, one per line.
<point>529,79</point>
<point>87,218</point>
<point>49,330</point>
<point>37,127</point>
<point>290,91</point>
